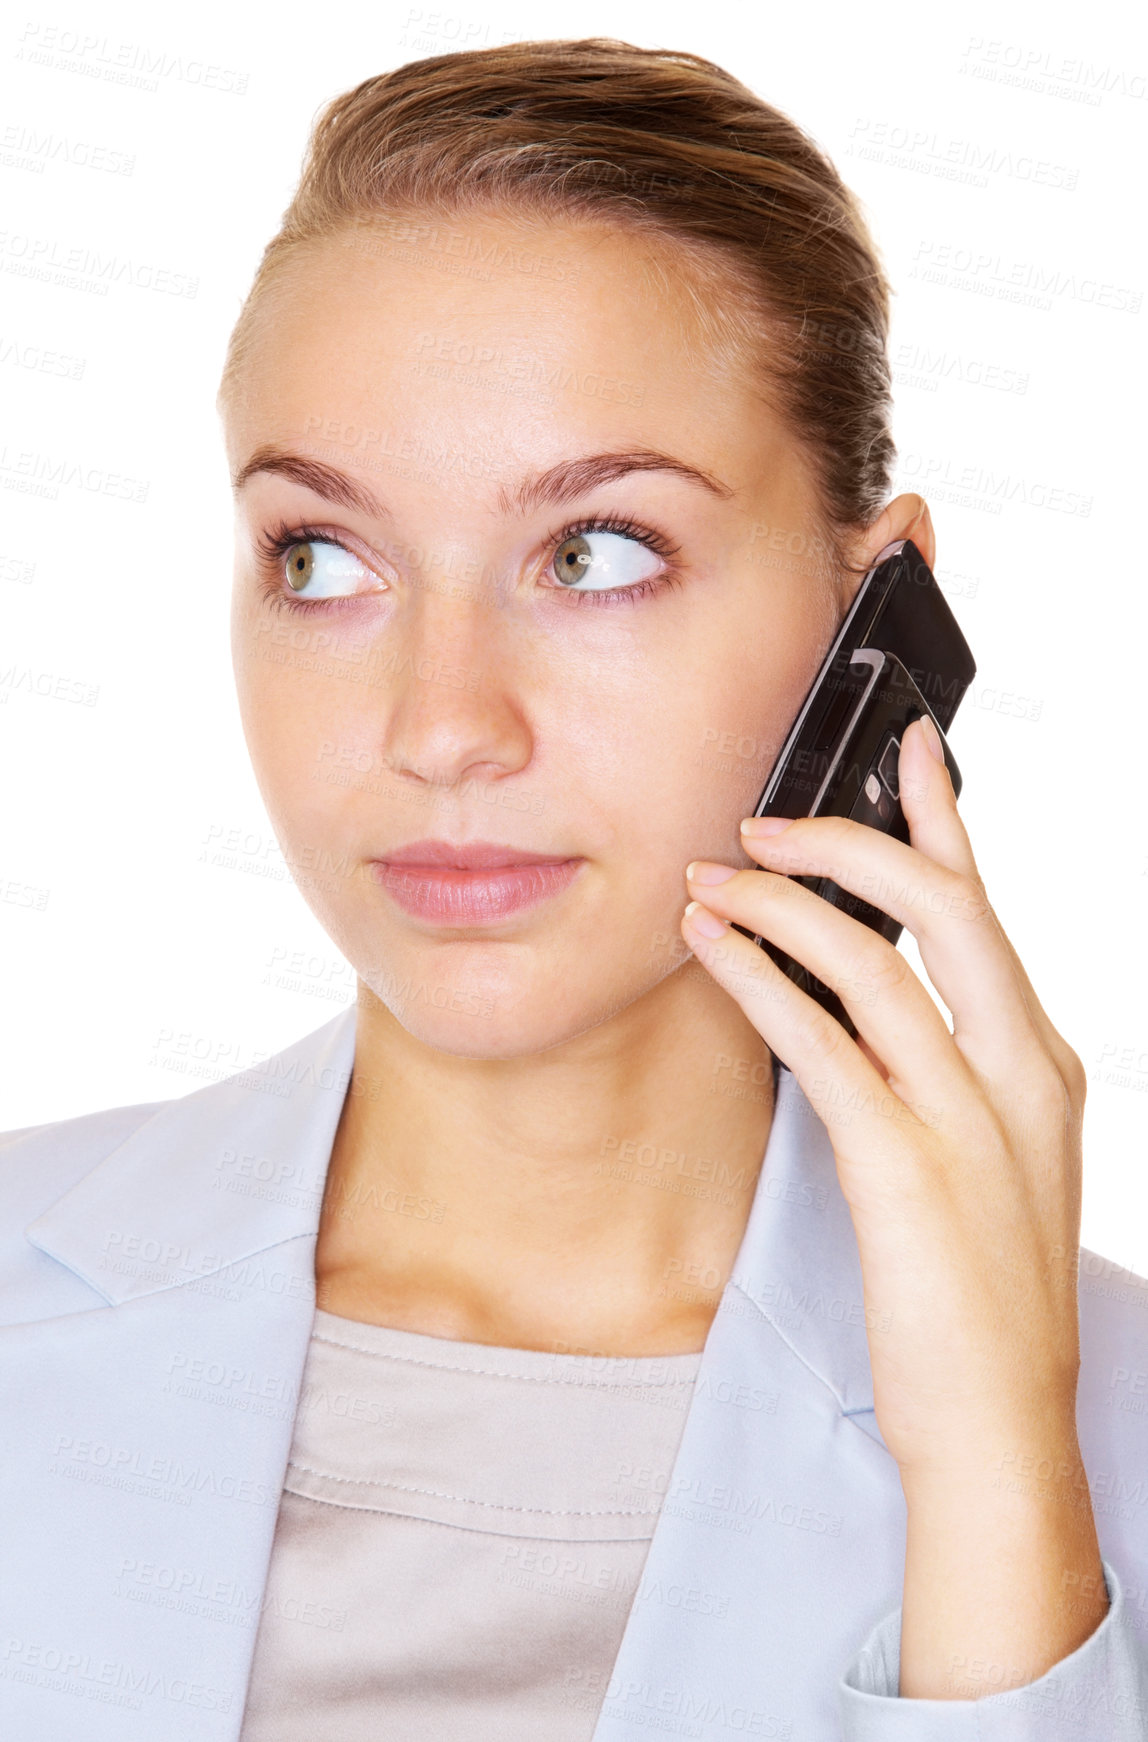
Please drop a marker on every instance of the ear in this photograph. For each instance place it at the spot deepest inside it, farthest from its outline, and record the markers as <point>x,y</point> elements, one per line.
<point>904,517</point>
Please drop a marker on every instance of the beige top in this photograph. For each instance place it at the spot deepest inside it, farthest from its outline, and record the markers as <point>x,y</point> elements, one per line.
<point>460,1538</point>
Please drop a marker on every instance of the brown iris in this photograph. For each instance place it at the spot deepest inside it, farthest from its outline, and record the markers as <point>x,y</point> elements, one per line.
<point>300,562</point>
<point>572,558</point>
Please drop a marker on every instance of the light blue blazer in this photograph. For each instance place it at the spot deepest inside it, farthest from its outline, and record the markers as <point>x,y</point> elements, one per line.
<point>156,1301</point>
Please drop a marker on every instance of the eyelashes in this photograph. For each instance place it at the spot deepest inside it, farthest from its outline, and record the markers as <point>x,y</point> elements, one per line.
<point>273,544</point>
<point>624,528</point>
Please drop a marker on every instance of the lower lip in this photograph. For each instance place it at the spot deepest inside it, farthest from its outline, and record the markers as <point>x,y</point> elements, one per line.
<point>447,896</point>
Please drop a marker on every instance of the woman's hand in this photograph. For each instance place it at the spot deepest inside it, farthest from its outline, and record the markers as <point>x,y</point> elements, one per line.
<point>959,1154</point>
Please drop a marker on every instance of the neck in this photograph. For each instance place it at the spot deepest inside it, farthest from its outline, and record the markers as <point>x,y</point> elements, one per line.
<point>591,1198</point>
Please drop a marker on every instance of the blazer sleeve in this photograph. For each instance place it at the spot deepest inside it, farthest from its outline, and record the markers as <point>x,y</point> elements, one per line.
<point>1099,1690</point>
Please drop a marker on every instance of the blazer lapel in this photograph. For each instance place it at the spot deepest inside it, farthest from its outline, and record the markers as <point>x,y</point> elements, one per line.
<point>781,1539</point>
<point>144,1493</point>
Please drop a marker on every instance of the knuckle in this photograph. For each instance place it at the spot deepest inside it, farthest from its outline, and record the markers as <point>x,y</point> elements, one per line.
<point>821,1034</point>
<point>1073,1074</point>
<point>840,833</point>
<point>878,971</point>
<point>967,898</point>
<point>1041,1086</point>
<point>763,881</point>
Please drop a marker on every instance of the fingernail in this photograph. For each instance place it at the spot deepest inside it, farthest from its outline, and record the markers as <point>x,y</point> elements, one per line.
<point>705,922</point>
<point>702,871</point>
<point>757,826</point>
<point>933,738</point>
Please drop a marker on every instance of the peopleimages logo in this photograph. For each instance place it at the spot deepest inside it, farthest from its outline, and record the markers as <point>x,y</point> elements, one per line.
<point>953,159</point>
<point>981,486</point>
<point>81,268</point>
<point>118,62</point>
<point>24,147</point>
<point>1052,75</point>
<point>36,474</point>
<point>1027,282</point>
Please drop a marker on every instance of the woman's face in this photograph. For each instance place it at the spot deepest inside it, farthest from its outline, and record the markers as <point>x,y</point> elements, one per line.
<point>566,600</point>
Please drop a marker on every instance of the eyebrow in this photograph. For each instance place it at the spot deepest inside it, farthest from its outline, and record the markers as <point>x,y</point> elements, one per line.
<point>575,477</point>
<point>559,483</point>
<point>324,480</point>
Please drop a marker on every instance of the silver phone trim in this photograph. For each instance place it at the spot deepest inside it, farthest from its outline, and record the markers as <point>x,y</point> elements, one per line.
<point>875,660</point>
<point>841,637</point>
<point>871,657</point>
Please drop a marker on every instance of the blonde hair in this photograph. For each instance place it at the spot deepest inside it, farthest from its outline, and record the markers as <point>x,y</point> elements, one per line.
<point>663,141</point>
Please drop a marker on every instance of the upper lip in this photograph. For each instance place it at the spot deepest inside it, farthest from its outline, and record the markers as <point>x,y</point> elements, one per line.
<point>468,855</point>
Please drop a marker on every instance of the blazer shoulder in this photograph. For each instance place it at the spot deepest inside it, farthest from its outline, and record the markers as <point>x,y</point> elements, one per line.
<point>38,1164</point>
<point>1112,1407</point>
<point>1113,1303</point>
<point>56,1154</point>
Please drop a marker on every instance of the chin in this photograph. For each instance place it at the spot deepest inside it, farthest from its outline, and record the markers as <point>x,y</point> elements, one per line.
<point>501,1015</point>
<point>470,1024</point>
<point>485,1000</point>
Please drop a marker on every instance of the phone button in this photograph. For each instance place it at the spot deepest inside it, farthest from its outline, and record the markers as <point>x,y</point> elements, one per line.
<point>887,766</point>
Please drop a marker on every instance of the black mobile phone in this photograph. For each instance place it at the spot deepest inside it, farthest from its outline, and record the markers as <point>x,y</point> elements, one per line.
<point>899,653</point>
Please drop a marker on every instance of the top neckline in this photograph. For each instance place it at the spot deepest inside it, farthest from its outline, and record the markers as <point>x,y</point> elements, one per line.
<point>445,1352</point>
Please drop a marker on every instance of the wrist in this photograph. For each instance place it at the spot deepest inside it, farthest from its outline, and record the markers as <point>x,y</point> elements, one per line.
<point>1040,1461</point>
<point>1002,1566</point>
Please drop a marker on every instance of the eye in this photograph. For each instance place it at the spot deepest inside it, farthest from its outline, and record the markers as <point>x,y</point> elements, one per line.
<point>318,570</point>
<point>602,560</point>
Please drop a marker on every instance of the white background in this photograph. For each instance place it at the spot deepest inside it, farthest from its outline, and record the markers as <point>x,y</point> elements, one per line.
<point>1000,157</point>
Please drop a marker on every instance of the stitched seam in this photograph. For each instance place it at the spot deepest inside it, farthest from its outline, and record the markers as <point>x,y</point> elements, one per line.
<point>498,1373</point>
<point>451,1524</point>
<point>463,1500</point>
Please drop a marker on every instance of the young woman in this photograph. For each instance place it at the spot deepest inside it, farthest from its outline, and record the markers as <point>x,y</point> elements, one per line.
<point>528,1353</point>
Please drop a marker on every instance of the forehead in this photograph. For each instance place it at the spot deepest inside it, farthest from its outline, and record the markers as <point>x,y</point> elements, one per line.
<point>520,337</point>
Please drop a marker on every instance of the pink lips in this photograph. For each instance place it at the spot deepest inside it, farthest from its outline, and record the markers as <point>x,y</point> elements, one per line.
<point>471,883</point>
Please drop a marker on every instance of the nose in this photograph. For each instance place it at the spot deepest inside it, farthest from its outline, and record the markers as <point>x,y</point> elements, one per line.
<point>452,675</point>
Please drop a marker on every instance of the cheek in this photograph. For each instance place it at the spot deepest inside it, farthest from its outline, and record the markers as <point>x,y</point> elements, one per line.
<point>300,722</point>
<point>274,705</point>
<point>717,739</point>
